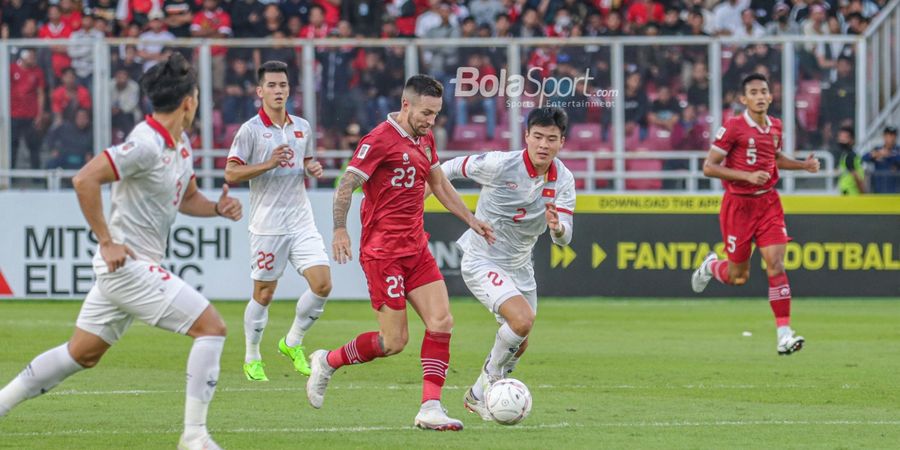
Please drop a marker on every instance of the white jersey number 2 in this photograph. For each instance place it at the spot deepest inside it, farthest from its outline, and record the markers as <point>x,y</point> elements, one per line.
<point>409,174</point>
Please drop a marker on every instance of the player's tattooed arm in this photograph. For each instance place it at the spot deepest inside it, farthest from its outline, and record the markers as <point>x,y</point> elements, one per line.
<point>340,243</point>
<point>343,196</point>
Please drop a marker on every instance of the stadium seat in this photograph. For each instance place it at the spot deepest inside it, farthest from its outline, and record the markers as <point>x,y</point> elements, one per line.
<point>584,136</point>
<point>230,133</point>
<point>468,137</point>
<point>576,165</point>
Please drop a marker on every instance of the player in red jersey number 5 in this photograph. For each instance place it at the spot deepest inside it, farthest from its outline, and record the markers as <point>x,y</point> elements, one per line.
<point>746,156</point>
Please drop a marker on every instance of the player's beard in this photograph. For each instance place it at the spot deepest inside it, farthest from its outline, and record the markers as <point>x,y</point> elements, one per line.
<point>415,129</point>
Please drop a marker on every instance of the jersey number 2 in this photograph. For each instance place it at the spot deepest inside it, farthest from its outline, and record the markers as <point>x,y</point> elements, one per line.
<point>399,174</point>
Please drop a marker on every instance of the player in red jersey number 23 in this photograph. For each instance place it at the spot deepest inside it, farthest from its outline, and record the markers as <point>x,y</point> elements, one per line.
<point>392,164</point>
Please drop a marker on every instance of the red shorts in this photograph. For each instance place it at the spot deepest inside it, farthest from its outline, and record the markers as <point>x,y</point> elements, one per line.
<point>747,218</point>
<point>390,279</point>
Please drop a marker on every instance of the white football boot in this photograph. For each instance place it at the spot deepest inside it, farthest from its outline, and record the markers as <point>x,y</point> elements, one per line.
<point>472,403</point>
<point>433,416</point>
<point>320,374</point>
<point>702,275</point>
<point>789,344</point>
<point>203,443</point>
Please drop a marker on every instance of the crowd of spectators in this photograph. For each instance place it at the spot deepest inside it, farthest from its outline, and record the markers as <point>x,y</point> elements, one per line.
<point>667,86</point>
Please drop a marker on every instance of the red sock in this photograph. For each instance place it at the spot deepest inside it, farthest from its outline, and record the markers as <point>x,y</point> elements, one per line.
<point>435,360</point>
<point>363,348</point>
<point>780,299</point>
<point>719,270</point>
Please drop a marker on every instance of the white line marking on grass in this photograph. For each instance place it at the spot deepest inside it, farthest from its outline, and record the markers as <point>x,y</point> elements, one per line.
<point>673,424</point>
<point>398,387</point>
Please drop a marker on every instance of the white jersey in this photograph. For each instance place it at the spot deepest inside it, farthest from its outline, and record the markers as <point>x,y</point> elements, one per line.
<point>512,200</point>
<point>152,174</point>
<point>278,201</point>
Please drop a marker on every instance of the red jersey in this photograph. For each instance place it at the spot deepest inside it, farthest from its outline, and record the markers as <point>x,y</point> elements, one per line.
<point>60,98</point>
<point>218,20</point>
<point>60,59</point>
<point>24,85</point>
<point>395,167</point>
<point>749,147</point>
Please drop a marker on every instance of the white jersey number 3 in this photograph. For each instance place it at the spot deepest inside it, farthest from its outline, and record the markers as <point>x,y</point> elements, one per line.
<point>405,178</point>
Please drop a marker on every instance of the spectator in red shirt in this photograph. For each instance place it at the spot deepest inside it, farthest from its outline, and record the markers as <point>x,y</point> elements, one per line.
<point>317,28</point>
<point>331,10</point>
<point>70,15</point>
<point>26,106</point>
<point>55,28</point>
<point>213,23</point>
<point>67,98</point>
<point>642,11</point>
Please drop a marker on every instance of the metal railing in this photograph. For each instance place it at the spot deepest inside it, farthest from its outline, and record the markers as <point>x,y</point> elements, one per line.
<point>869,114</point>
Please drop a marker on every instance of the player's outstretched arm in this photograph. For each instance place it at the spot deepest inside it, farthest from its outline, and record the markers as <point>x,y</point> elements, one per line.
<point>87,182</point>
<point>810,164</point>
<point>235,172</point>
<point>451,200</point>
<point>713,168</point>
<point>196,204</point>
<point>340,243</point>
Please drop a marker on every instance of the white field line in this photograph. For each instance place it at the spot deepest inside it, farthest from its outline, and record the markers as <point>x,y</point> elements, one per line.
<point>662,424</point>
<point>397,387</point>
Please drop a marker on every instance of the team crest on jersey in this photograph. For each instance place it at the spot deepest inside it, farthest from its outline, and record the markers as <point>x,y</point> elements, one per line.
<point>184,153</point>
<point>298,134</point>
<point>775,140</point>
<point>720,133</point>
<point>428,152</point>
<point>267,135</point>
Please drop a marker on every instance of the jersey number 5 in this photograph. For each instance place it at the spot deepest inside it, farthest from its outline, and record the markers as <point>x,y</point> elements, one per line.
<point>399,174</point>
<point>751,155</point>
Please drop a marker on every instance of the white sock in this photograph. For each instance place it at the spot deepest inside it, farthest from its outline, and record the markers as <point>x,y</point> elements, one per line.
<point>202,377</point>
<point>255,318</point>
<point>506,345</point>
<point>784,331</point>
<point>510,366</point>
<point>477,389</point>
<point>43,373</point>
<point>309,307</point>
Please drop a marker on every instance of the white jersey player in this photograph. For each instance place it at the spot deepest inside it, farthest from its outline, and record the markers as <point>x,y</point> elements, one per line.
<point>274,151</point>
<point>522,194</point>
<point>152,180</point>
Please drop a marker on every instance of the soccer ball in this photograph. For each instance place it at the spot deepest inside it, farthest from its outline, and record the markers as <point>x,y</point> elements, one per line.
<point>508,401</point>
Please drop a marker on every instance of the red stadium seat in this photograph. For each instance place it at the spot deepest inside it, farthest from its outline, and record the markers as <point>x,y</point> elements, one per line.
<point>469,137</point>
<point>583,136</point>
<point>230,133</point>
<point>576,165</point>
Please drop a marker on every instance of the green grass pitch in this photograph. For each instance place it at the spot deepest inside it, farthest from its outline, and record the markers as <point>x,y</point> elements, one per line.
<point>604,373</point>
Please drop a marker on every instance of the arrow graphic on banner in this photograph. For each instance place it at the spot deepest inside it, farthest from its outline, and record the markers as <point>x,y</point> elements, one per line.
<point>4,286</point>
<point>597,255</point>
<point>561,255</point>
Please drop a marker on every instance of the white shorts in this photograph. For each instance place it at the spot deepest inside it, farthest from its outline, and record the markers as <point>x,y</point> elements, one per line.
<point>269,254</point>
<point>492,285</point>
<point>141,290</point>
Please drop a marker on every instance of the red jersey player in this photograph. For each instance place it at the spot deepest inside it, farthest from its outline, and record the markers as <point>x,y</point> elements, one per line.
<point>746,156</point>
<point>393,163</point>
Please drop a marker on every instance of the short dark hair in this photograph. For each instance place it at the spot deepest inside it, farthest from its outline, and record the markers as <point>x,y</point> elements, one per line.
<point>424,85</point>
<point>169,82</point>
<point>549,116</point>
<point>270,67</point>
<point>750,78</point>
<point>849,130</point>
